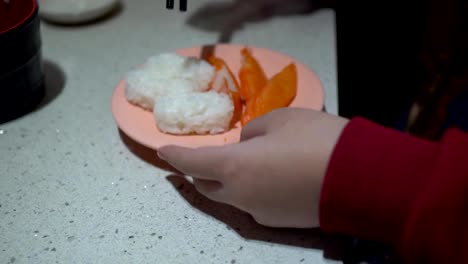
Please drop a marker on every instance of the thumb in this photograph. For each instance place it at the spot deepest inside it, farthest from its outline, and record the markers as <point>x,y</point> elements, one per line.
<point>205,163</point>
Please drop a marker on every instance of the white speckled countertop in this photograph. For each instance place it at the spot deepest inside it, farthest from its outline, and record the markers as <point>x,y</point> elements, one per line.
<point>73,190</point>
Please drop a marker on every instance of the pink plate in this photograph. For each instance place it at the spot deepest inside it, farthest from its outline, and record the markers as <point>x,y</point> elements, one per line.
<point>141,126</point>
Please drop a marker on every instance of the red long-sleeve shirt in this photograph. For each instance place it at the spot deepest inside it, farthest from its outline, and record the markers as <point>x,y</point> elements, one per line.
<point>386,186</point>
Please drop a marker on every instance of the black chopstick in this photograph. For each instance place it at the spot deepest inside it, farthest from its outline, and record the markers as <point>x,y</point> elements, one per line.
<point>170,4</point>
<point>183,5</point>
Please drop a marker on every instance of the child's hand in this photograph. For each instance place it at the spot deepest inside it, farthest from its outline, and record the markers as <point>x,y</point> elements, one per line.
<point>275,173</point>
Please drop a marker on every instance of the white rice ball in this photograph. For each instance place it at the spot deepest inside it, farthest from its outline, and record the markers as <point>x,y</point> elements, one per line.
<point>145,89</point>
<point>165,74</point>
<point>200,72</point>
<point>194,113</point>
<point>165,64</point>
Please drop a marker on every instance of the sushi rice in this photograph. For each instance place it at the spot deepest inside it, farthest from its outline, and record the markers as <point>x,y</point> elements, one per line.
<point>176,88</point>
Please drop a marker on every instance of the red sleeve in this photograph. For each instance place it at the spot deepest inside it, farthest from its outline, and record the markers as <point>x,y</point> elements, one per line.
<point>386,186</point>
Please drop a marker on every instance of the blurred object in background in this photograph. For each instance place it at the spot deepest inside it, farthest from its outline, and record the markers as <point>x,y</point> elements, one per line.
<point>227,17</point>
<point>75,11</point>
<point>21,76</point>
<point>391,54</point>
<point>442,99</point>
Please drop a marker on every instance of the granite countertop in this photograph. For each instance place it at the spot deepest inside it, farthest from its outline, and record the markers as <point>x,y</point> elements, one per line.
<point>75,190</point>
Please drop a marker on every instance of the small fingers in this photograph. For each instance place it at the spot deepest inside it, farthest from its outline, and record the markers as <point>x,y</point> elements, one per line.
<point>202,163</point>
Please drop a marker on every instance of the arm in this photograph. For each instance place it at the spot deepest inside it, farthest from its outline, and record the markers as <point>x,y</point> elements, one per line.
<point>387,186</point>
<point>379,184</point>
